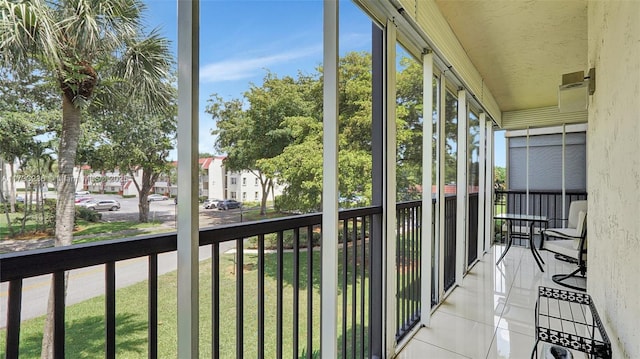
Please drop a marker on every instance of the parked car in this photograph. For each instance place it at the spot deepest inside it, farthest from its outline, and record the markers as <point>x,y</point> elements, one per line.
<point>156,197</point>
<point>82,199</point>
<point>20,198</point>
<point>228,204</point>
<point>210,203</point>
<point>82,193</point>
<point>103,204</point>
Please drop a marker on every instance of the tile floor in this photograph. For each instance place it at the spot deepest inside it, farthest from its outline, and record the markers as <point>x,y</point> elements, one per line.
<point>491,315</point>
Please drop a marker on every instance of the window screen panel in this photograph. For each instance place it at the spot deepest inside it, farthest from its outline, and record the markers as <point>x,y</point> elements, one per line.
<point>517,168</point>
<point>545,162</point>
<point>545,168</point>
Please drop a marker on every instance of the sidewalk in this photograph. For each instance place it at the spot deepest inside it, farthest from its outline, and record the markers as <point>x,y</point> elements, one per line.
<point>16,245</point>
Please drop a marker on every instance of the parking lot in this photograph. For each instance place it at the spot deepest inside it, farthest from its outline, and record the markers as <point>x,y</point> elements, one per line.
<point>164,211</point>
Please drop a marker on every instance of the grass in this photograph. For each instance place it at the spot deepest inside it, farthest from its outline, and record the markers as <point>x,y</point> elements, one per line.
<point>253,214</point>
<point>85,321</point>
<point>94,231</point>
<point>30,225</point>
<point>113,230</point>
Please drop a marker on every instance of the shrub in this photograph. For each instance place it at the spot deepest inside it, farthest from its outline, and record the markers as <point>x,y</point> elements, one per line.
<point>50,210</point>
<point>19,206</point>
<point>250,204</point>
<point>128,196</point>
<point>271,240</point>
<point>87,214</point>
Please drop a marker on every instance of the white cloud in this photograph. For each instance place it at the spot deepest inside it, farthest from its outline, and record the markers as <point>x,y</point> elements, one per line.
<point>238,69</point>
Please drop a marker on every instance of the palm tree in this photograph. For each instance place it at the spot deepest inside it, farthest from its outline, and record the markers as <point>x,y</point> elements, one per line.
<point>84,46</point>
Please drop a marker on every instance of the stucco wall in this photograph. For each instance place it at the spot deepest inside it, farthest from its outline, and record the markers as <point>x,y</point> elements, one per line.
<point>613,173</point>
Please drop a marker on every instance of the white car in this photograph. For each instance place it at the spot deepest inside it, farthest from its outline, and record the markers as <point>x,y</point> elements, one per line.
<point>105,204</point>
<point>210,203</point>
<point>82,193</point>
<point>156,197</point>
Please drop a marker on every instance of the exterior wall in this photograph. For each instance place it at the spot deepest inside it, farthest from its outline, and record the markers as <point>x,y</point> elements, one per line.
<point>246,183</point>
<point>217,173</point>
<point>613,173</point>
<point>110,182</point>
<point>216,184</point>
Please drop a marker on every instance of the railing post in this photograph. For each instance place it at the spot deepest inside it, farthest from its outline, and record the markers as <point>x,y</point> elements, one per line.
<point>376,326</point>
<point>461,191</point>
<point>188,117</point>
<point>489,201</point>
<point>59,286</point>
<point>427,207</point>
<point>13,319</point>
<point>329,290</point>
<point>482,194</point>
<point>389,182</point>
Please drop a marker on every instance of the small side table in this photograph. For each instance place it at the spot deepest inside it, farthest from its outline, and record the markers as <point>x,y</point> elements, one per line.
<point>570,319</point>
<point>531,219</point>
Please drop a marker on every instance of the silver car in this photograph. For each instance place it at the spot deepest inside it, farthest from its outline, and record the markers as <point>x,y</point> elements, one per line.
<point>104,204</point>
<point>210,203</point>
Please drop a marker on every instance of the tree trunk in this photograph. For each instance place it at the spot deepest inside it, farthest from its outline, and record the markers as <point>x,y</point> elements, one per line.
<point>3,200</point>
<point>40,185</point>
<point>148,180</point>
<point>265,193</point>
<point>27,205</point>
<point>273,194</point>
<point>65,209</point>
<point>12,188</point>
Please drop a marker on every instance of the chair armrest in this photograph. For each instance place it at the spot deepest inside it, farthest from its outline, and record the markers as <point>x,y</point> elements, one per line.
<point>558,219</point>
<point>566,233</point>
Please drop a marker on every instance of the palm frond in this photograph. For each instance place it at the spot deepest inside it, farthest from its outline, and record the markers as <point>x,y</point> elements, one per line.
<point>93,28</point>
<point>27,31</point>
<point>146,65</point>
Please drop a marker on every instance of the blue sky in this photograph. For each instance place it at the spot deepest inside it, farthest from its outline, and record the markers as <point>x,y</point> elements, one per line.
<point>242,39</point>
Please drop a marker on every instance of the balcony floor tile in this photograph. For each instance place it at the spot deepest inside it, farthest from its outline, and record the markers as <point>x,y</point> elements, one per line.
<point>492,313</point>
<point>418,350</point>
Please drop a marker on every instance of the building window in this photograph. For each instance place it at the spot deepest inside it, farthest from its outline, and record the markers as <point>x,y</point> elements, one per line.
<point>244,196</point>
<point>234,180</point>
<point>244,181</point>
<point>256,196</point>
<point>256,183</point>
<point>233,195</point>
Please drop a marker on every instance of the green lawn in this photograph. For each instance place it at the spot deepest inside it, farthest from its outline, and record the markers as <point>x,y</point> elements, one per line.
<point>91,231</point>
<point>85,321</point>
<point>253,214</point>
<point>30,225</point>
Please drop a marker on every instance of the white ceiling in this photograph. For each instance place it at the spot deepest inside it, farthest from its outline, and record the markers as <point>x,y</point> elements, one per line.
<point>521,48</point>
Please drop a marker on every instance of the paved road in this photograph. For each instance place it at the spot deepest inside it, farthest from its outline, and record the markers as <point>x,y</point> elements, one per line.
<point>88,282</point>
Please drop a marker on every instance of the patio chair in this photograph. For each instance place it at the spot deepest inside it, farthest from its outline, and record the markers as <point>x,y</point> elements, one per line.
<point>570,245</point>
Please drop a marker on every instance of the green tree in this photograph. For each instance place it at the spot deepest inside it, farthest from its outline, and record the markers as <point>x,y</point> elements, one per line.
<point>25,104</point>
<point>247,136</point>
<point>500,174</point>
<point>36,169</point>
<point>289,123</point>
<point>300,164</point>
<point>134,145</point>
<point>68,42</point>
<point>17,135</point>
<point>409,111</point>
